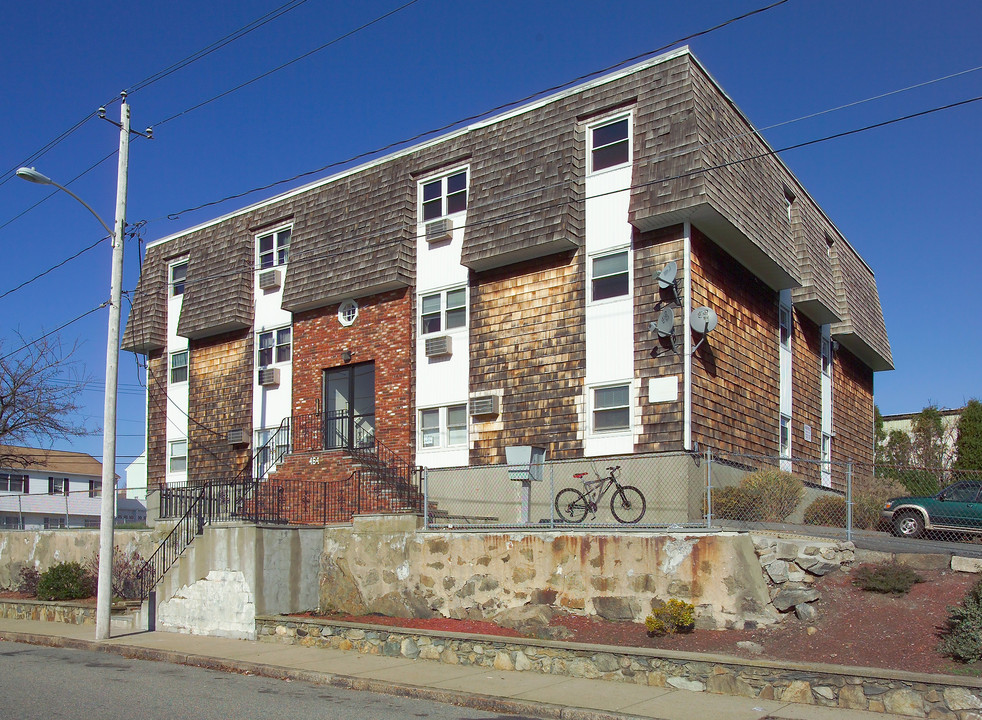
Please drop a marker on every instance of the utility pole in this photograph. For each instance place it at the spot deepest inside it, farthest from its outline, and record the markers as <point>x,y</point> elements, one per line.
<point>104,593</point>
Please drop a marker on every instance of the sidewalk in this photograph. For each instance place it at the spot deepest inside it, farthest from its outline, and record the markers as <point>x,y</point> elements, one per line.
<point>524,693</point>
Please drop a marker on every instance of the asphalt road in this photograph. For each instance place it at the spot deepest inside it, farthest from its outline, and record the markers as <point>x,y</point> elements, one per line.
<point>53,683</point>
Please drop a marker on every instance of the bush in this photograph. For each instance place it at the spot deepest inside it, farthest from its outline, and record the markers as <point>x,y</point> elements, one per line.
<point>126,568</point>
<point>779,492</point>
<point>736,503</point>
<point>961,637</point>
<point>889,578</point>
<point>674,616</point>
<point>28,584</point>
<point>65,581</point>
<point>827,510</point>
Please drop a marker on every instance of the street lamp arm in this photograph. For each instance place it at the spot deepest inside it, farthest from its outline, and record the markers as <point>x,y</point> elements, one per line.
<point>32,175</point>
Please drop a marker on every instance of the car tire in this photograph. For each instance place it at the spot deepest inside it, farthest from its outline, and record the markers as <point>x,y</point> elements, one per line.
<point>908,524</point>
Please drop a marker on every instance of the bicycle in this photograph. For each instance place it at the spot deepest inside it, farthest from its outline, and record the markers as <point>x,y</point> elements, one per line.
<point>627,504</point>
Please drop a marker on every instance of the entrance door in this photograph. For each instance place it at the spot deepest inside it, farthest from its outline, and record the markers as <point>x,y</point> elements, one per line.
<point>349,406</point>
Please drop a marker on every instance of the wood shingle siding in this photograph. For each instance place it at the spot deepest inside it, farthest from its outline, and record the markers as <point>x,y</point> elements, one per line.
<point>861,328</point>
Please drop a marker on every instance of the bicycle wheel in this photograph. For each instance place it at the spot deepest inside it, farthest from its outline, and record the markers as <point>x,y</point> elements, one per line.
<point>571,506</point>
<point>627,504</point>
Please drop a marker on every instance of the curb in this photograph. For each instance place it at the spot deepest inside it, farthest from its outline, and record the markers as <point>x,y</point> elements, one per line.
<point>488,703</point>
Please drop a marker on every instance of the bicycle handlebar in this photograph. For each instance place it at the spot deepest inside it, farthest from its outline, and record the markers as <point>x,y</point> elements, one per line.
<point>614,467</point>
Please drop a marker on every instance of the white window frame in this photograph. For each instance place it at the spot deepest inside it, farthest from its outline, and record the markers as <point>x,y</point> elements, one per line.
<point>276,347</point>
<point>280,449</point>
<point>444,310</point>
<point>784,323</point>
<point>826,451</point>
<point>58,485</point>
<point>7,481</point>
<point>186,367</point>
<point>784,437</point>
<point>172,282</point>
<point>442,432</point>
<point>348,312</point>
<point>827,357</point>
<point>626,252</point>
<point>594,409</point>
<point>172,456</point>
<point>279,254</point>
<point>445,194</point>
<point>592,149</point>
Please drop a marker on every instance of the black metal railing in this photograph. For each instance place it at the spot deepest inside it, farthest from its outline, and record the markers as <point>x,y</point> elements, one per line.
<point>276,447</point>
<point>336,430</point>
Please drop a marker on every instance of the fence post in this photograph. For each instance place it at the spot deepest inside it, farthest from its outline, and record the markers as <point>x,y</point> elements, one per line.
<point>709,488</point>
<point>426,497</point>
<point>552,495</point>
<point>849,500</point>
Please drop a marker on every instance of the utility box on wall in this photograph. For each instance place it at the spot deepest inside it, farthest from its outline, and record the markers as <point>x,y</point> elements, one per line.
<point>525,462</point>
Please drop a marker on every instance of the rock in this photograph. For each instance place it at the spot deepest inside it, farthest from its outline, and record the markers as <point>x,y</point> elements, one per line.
<point>852,697</point>
<point>552,632</point>
<point>449,657</point>
<point>606,662</point>
<point>525,618</point>
<point>789,597</point>
<point>966,564</point>
<point>583,668</point>
<point>786,550</point>
<point>904,702</point>
<point>681,683</point>
<point>616,609</point>
<point>429,652</point>
<point>502,661</point>
<point>798,691</point>
<point>522,662</point>
<point>957,698</point>
<point>822,568</point>
<point>729,684</point>
<point>392,649</point>
<point>777,571</point>
<point>409,649</point>
<point>824,692</point>
<point>805,612</point>
<point>751,647</point>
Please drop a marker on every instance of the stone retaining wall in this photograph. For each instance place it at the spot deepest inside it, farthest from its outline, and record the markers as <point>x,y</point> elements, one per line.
<point>71,613</point>
<point>934,696</point>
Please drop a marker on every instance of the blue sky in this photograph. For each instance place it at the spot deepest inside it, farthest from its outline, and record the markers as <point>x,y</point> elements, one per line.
<point>906,196</point>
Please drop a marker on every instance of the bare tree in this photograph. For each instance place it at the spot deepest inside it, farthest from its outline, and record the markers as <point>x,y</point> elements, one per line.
<point>40,383</point>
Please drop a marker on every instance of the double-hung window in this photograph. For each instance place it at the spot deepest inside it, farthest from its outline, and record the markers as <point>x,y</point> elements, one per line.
<point>785,320</point>
<point>443,427</point>
<point>274,347</point>
<point>178,462</point>
<point>274,248</point>
<point>178,278</point>
<point>444,196</point>
<point>785,436</point>
<point>13,483</point>
<point>610,143</point>
<point>612,408</point>
<point>446,310</point>
<point>57,486</point>
<point>826,357</point>
<point>610,276</point>
<point>179,367</point>
<point>95,488</point>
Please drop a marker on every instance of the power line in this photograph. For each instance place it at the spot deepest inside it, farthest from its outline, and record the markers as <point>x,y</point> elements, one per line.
<point>57,329</point>
<point>54,267</point>
<point>289,63</point>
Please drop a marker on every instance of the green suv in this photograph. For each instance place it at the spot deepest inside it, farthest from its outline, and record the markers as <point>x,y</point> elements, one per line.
<point>958,507</point>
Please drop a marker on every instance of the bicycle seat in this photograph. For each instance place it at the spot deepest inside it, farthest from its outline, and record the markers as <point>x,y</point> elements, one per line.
<point>579,475</point>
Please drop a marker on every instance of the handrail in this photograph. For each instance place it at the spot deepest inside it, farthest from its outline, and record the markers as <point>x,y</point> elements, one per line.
<point>177,541</point>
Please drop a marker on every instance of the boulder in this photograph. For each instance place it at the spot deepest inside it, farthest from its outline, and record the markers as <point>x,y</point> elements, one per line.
<point>616,609</point>
<point>790,597</point>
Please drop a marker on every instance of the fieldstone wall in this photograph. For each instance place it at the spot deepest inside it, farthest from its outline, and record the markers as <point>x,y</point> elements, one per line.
<point>383,565</point>
<point>925,696</point>
<point>48,611</point>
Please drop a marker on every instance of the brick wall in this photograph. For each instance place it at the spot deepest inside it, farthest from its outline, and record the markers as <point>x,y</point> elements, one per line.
<point>383,334</point>
<point>662,423</point>
<point>736,372</point>
<point>220,391</point>
<point>527,338</point>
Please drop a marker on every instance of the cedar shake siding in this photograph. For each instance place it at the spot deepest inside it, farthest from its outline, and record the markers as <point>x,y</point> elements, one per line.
<point>531,252</point>
<point>527,343</point>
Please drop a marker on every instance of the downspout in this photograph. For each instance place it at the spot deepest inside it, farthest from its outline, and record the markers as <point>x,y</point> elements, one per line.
<point>686,337</point>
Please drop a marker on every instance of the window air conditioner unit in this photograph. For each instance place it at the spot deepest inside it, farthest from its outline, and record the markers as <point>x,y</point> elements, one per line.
<point>437,346</point>
<point>269,280</point>
<point>269,376</point>
<point>484,405</point>
<point>236,437</point>
<point>439,230</point>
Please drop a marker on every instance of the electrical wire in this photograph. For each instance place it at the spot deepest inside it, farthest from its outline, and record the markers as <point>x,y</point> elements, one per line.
<point>57,329</point>
<point>46,148</point>
<point>54,267</point>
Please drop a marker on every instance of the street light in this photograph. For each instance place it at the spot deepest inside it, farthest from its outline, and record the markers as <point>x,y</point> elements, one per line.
<point>107,516</point>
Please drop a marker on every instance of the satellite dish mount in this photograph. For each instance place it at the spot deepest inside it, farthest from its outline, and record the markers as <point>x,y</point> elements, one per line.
<point>668,283</point>
<point>664,328</point>
<point>703,321</point>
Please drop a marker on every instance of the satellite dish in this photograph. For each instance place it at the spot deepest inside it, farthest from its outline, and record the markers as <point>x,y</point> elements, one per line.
<point>665,323</point>
<point>703,321</point>
<point>666,278</point>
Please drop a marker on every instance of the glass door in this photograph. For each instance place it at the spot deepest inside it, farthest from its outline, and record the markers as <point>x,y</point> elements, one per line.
<point>349,406</point>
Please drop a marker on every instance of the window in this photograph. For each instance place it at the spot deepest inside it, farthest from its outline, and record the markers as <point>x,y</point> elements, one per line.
<point>610,276</point>
<point>443,311</point>
<point>268,455</point>
<point>443,427</point>
<point>54,523</point>
<point>826,452</point>
<point>784,315</point>
<point>274,248</point>
<point>274,346</point>
<point>826,357</point>
<point>178,456</point>
<point>785,436</point>
<point>95,488</point>
<point>179,367</point>
<point>57,486</point>
<point>610,144</point>
<point>93,522</point>
<point>444,196</point>
<point>347,312</point>
<point>13,483</point>
<point>11,522</point>
<point>178,278</point>
<point>612,408</point>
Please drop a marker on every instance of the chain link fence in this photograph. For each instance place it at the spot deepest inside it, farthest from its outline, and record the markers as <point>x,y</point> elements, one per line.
<point>709,490</point>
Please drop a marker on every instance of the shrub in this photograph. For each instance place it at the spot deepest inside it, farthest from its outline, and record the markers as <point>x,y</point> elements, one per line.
<point>65,581</point>
<point>736,503</point>
<point>961,637</point>
<point>778,492</point>
<point>674,616</point>
<point>126,568</point>
<point>28,584</point>
<point>827,510</point>
<point>889,578</point>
